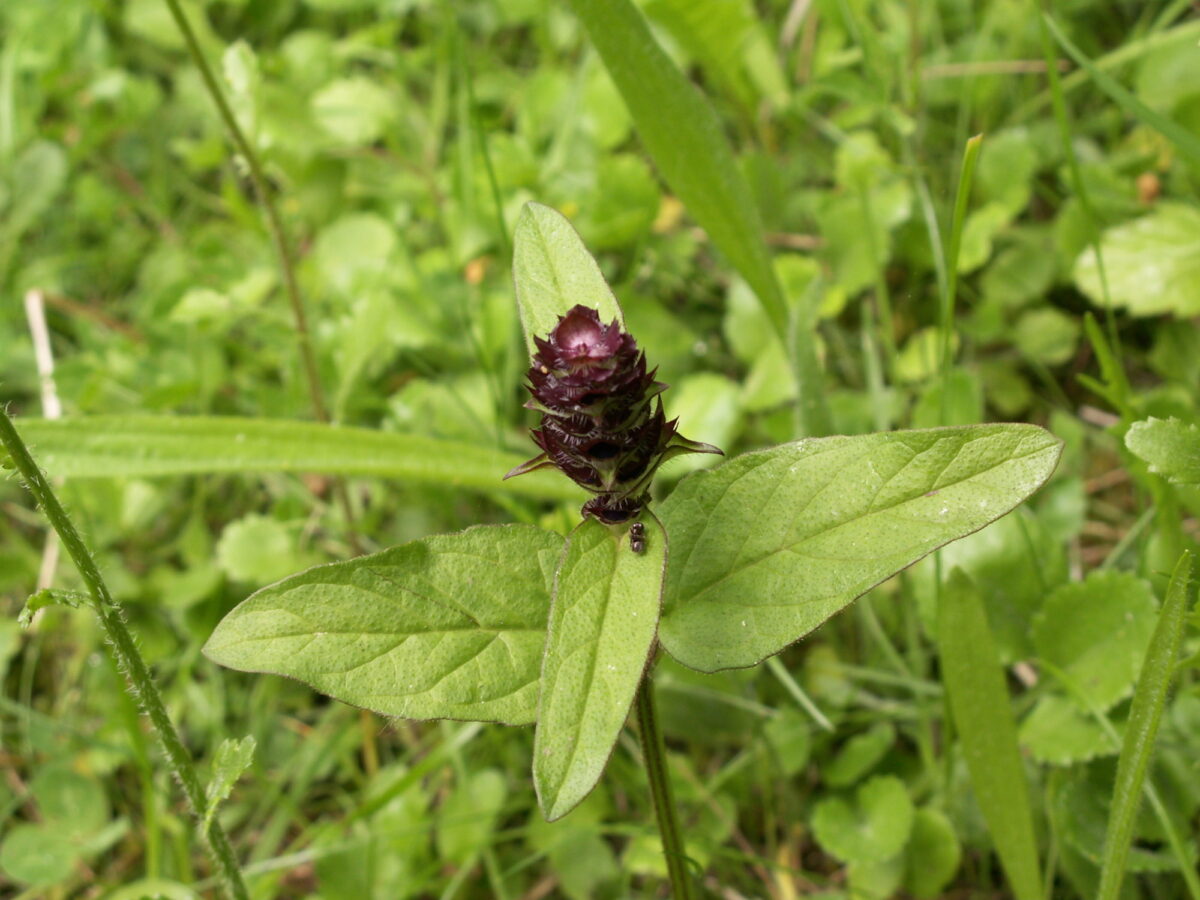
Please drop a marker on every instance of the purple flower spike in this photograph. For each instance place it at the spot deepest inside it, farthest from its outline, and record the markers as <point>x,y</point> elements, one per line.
<point>602,418</point>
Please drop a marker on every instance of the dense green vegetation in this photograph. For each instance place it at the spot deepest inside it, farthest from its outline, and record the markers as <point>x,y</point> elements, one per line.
<point>400,140</point>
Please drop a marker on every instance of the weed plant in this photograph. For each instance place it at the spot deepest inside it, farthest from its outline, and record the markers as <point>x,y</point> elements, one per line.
<point>258,267</point>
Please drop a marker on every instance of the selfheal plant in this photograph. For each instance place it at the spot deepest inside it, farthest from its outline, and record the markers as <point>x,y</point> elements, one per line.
<point>517,625</point>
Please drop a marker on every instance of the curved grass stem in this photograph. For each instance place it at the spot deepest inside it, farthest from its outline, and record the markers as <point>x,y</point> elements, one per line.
<point>283,249</point>
<point>141,682</point>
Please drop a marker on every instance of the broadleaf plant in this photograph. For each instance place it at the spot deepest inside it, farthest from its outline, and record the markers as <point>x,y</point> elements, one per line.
<point>505,624</point>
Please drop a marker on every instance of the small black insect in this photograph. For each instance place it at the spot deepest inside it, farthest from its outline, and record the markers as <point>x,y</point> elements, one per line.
<point>637,537</point>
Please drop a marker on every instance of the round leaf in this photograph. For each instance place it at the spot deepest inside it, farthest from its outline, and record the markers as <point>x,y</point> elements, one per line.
<point>1152,264</point>
<point>35,855</point>
<point>933,854</point>
<point>873,830</point>
<point>1096,631</point>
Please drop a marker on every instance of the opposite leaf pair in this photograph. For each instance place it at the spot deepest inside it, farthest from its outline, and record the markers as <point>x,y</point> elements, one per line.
<point>504,624</point>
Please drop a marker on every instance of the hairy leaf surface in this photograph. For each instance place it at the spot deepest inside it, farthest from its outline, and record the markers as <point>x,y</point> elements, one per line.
<point>769,545</point>
<point>450,626</point>
<point>602,626</point>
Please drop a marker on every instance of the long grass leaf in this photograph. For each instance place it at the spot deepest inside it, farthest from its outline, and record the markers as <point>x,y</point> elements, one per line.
<point>1184,140</point>
<point>686,139</point>
<point>1144,716</point>
<point>983,716</point>
<point>142,446</point>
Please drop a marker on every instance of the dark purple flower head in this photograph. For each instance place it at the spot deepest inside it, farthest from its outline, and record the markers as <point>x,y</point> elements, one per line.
<point>602,419</point>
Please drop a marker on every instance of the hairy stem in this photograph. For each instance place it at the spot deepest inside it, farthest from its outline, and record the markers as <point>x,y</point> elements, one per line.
<point>655,756</point>
<point>283,249</point>
<point>141,682</point>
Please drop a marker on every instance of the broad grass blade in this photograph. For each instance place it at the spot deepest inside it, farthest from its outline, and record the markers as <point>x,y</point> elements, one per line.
<point>143,446</point>
<point>983,717</point>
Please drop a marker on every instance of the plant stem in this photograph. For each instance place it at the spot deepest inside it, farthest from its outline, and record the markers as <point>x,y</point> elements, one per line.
<point>287,262</point>
<point>654,753</point>
<point>141,682</point>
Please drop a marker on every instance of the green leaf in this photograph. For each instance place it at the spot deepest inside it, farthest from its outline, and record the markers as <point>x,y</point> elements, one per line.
<point>1079,808</point>
<point>601,631</point>
<point>1171,447</point>
<point>1047,336</point>
<point>354,252</point>
<point>1144,716</point>
<point>449,626</point>
<point>1058,732</point>
<point>720,35</point>
<point>874,830</point>
<point>933,854</point>
<point>770,544</point>
<point>553,271</point>
<point>1152,263</point>
<point>1096,632</point>
<point>979,702</point>
<point>233,758</point>
<point>859,756</point>
<point>37,855</point>
<point>1013,563</point>
<point>73,804</point>
<point>49,597</point>
<point>468,817</point>
<point>258,549</point>
<point>120,446</point>
<point>354,111</point>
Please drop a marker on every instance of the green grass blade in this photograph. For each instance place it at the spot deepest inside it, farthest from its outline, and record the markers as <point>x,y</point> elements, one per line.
<point>1144,716</point>
<point>1123,55</point>
<point>961,198</point>
<point>141,446</point>
<point>1078,185</point>
<point>1186,142</point>
<point>686,139</point>
<point>983,717</point>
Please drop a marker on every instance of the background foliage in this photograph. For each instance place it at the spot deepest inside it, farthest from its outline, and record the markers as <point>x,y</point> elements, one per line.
<point>403,137</point>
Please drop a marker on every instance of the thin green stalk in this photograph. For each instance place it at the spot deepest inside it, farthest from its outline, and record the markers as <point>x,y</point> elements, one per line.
<point>779,670</point>
<point>961,198</point>
<point>883,296</point>
<point>1174,839</point>
<point>1076,176</point>
<point>141,682</point>
<point>1184,140</point>
<point>287,261</point>
<point>1144,715</point>
<point>1157,40</point>
<point>654,752</point>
